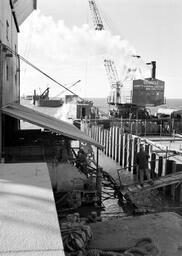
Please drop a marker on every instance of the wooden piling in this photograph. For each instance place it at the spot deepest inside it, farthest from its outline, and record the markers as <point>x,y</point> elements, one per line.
<point>153,165</point>
<point>107,142</point>
<point>113,142</point>
<point>160,166</point>
<point>126,150</point>
<point>123,148</point>
<point>170,168</point>
<point>116,144</point>
<point>178,188</point>
<point>132,153</point>
<point>129,164</point>
<point>173,187</point>
<point>119,146</point>
<point>97,133</point>
<point>135,142</point>
<point>110,141</point>
<point>99,180</point>
<point>92,130</point>
<point>104,139</point>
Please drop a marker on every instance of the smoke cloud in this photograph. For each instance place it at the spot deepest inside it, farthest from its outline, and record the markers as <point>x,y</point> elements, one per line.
<point>55,47</point>
<point>59,42</point>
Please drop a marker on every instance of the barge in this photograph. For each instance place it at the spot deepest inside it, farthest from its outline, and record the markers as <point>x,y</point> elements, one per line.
<point>50,103</point>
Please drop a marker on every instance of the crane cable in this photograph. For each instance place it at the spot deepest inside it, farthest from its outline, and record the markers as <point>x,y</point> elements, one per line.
<point>28,45</point>
<point>38,69</point>
<point>65,90</point>
<point>42,72</point>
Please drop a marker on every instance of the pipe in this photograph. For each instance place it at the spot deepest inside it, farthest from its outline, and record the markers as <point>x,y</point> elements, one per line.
<point>153,69</point>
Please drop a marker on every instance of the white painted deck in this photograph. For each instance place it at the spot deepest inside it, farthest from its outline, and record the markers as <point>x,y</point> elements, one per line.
<point>28,218</point>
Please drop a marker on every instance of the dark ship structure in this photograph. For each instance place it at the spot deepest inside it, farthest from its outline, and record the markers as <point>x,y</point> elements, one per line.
<point>149,91</point>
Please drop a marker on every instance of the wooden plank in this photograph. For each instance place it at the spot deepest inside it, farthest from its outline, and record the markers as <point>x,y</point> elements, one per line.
<point>157,183</point>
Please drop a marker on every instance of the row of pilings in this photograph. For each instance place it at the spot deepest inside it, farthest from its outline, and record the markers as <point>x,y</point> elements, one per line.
<point>123,147</point>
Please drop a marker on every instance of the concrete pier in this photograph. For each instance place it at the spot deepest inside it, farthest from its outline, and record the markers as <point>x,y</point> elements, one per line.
<point>164,229</point>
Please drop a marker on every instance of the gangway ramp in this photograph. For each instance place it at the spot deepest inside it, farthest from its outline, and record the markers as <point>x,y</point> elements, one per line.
<point>163,181</point>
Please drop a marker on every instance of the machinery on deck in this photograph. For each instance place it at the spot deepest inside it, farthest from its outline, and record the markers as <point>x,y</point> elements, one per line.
<point>43,100</point>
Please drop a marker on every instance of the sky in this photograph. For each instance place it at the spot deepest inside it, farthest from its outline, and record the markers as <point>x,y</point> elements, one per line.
<point>59,39</point>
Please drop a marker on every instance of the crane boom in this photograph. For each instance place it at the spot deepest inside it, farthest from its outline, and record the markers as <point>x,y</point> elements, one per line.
<point>98,24</point>
<point>115,93</point>
<point>112,73</point>
<point>110,67</point>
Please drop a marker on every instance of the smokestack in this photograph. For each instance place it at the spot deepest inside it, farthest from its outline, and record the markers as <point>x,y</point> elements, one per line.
<point>153,69</point>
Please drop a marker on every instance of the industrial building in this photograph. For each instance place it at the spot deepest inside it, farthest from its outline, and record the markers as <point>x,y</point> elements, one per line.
<point>149,91</point>
<point>12,15</point>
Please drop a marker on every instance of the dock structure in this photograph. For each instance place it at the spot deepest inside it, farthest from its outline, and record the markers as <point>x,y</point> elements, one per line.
<point>170,179</point>
<point>28,218</point>
<point>165,156</point>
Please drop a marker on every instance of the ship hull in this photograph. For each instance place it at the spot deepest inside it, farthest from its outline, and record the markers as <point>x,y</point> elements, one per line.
<point>49,103</point>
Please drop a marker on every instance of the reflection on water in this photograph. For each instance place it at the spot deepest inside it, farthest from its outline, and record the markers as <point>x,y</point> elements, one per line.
<point>152,202</point>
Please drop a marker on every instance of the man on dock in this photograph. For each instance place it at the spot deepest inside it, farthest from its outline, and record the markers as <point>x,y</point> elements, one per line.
<point>81,161</point>
<point>142,165</point>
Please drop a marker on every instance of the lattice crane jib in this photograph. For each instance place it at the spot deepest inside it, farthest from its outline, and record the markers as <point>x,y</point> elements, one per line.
<point>112,73</point>
<point>110,67</point>
<point>98,24</point>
